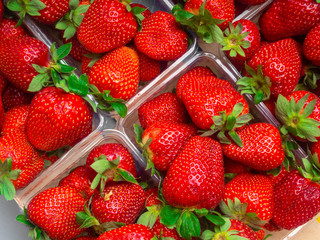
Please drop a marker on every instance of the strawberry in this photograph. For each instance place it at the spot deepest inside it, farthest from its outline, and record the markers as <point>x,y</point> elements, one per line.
<point>311,46</point>
<point>129,232</point>
<point>302,118</point>
<point>2,114</point>
<point>106,25</point>
<point>44,11</point>
<point>1,11</point>
<point>254,189</point>
<point>161,231</point>
<point>146,13</point>
<point>262,147</point>
<point>277,178</point>
<point>273,70</point>
<point>118,72</point>
<point>79,180</point>
<point>288,18</point>
<point>15,119</point>
<point>20,54</point>
<point>167,140</point>
<point>9,31</point>
<point>14,97</point>
<point>54,211</point>
<point>251,2</point>
<point>3,83</point>
<point>232,168</point>
<point>164,107</point>
<point>57,118</point>
<point>161,38</point>
<point>77,50</point>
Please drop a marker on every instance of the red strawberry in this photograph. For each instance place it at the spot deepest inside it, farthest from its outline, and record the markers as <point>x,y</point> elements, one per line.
<point>51,158</point>
<point>54,211</point>
<point>251,2</point>
<point>161,230</point>
<point>167,140</point>
<point>57,118</point>
<point>152,197</point>
<point>117,71</point>
<point>119,202</point>
<point>9,31</point>
<point>287,18</point>
<point>3,83</point>
<point>85,65</point>
<point>274,69</point>
<point>161,38</point>
<point>15,119</point>
<point>311,45</point>
<point>165,107</point>
<point>146,13</point>
<point>195,178</point>
<point>20,54</point>
<point>14,97</point>
<point>77,50</point>
<point>107,25</point>
<point>297,200</point>
<point>233,167</point>
<point>277,178</point>
<point>129,232</point>
<point>262,147</point>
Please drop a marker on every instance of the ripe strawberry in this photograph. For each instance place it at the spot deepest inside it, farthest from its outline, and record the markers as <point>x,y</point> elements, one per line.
<point>3,83</point>
<point>15,119</point>
<point>195,178</point>
<point>107,25</point>
<point>273,70</point>
<point>288,18</point>
<point>311,46</point>
<point>117,71</point>
<point>161,38</point>
<point>277,178</point>
<point>77,50</point>
<point>17,57</point>
<point>233,168</point>
<point>14,97</point>
<point>85,69</point>
<point>167,140</point>
<point>251,2</point>
<point>46,156</point>
<point>54,211</point>
<point>146,13</point>
<point>79,180</point>
<point>128,198</point>
<point>9,31</point>
<point>2,114</point>
<point>132,232</point>
<point>161,230</point>
<point>152,197</point>
<point>164,107</point>
<point>262,147</point>
<point>297,200</point>
<point>57,118</point>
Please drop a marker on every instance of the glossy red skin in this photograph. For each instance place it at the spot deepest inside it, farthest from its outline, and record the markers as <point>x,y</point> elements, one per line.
<point>3,83</point>
<point>117,71</point>
<point>311,45</point>
<point>107,25</point>
<point>281,61</point>
<point>146,13</point>
<point>77,50</point>
<point>161,37</point>
<point>253,38</point>
<point>231,166</point>
<point>262,147</point>
<point>17,57</point>
<point>112,151</point>
<point>168,140</point>
<point>129,232</point>
<point>251,2</point>
<point>14,97</point>
<point>191,74</point>
<point>254,189</point>
<point>79,180</point>
<point>120,202</point>
<point>243,230</point>
<point>278,178</point>
<point>221,9</point>
<point>203,101</point>
<point>288,18</point>
<point>260,234</point>
<point>9,31</point>
<point>16,145</point>
<point>297,200</point>
<point>53,11</point>
<point>195,178</point>
<point>15,119</point>
<point>164,107</point>
<point>29,172</point>
<point>152,197</point>
<point>159,229</point>
<point>54,211</point>
<point>57,118</point>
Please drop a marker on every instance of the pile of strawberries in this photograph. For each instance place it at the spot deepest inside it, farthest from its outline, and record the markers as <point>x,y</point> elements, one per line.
<point>224,173</point>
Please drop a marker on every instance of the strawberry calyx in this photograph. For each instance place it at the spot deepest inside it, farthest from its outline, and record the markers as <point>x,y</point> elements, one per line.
<point>136,11</point>
<point>72,20</point>
<point>228,123</point>
<point>238,210</point>
<point>258,84</point>
<point>201,21</point>
<point>7,174</point>
<point>109,170</point>
<point>311,167</point>
<point>35,232</point>
<point>150,217</point>
<point>222,232</point>
<point>24,7</point>
<point>234,40</point>
<point>311,76</point>
<point>295,119</point>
